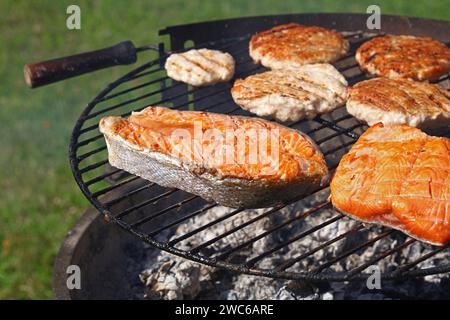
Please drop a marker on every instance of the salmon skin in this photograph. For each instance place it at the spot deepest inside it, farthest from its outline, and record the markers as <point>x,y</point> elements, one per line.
<point>397,176</point>
<point>235,161</point>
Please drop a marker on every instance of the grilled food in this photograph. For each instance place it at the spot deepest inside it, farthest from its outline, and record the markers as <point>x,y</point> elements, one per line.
<point>293,45</point>
<point>259,164</point>
<point>399,101</point>
<point>200,67</point>
<point>418,58</point>
<point>292,94</point>
<point>399,177</point>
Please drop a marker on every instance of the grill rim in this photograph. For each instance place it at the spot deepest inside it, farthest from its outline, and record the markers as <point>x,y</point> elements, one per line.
<point>310,276</point>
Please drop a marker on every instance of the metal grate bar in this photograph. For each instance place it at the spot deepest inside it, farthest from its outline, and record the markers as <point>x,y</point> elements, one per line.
<point>380,257</point>
<point>88,129</point>
<point>93,166</point>
<point>243,225</point>
<point>193,232</point>
<point>90,153</point>
<point>337,134</point>
<point>142,85</point>
<point>340,119</point>
<point>318,248</point>
<point>146,73</point>
<point>280,246</point>
<point>201,98</point>
<point>346,68</point>
<point>143,96</point>
<point>106,175</point>
<point>340,130</point>
<point>165,210</point>
<point>303,215</point>
<point>146,202</point>
<point>178,221</point>
<point>87,141</point>
<point>108,189</point>
<point>352,251</point>
<point>174,223</point>
<point>128,194</point>
<point>412,264</point>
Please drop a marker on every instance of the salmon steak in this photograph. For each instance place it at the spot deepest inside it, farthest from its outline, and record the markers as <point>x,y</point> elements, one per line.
<point>397,176</point>
<point>235,161</point>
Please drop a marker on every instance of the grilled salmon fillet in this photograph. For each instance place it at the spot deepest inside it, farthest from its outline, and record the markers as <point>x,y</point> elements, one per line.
<point>200,67</point>
<point>400,101</point>
<point>292,94</point>
<point>418,58</point>
<point>293,44</point>
<point>236,161</point>
<point>397,176</point>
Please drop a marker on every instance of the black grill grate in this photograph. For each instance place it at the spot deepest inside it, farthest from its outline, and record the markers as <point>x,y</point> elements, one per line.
<point>153,213</point>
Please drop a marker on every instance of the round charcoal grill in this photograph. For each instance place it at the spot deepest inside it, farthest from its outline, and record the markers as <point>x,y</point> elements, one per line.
<point>153,213</point>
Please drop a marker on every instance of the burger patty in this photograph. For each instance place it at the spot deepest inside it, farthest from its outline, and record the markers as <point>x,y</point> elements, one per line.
<point>293,45</point>
<point>418,58</point>
<point>200,67</point>
<point>399,101</point>
<point>292,94</point>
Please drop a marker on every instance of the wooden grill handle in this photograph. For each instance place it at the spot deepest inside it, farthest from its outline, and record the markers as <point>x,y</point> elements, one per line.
<point>46,72</point>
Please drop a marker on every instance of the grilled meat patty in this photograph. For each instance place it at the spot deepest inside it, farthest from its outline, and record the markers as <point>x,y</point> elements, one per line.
<point>418,58</point>
<point>236,161</point>
<point>293,45</point>
<point>397,176</point>
<point>200,67</point>
<point>399,101</point>
<point>292,94</point>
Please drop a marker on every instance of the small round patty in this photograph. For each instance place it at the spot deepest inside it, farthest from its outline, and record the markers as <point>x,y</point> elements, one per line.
<point>293,45</point>
<point>418,58</point>
<point>200,67</point>
<point>399,101</point>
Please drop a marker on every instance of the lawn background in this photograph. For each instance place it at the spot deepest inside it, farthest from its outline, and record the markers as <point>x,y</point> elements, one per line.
<point>39,200</point>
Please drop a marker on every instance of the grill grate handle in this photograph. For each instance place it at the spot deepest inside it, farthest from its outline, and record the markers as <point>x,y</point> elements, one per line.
<point>46,72</point>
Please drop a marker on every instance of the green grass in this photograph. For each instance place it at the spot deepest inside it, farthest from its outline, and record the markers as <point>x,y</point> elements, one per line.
<point>39,200</point>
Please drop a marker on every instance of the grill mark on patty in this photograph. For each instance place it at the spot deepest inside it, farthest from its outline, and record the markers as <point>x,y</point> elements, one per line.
<point>277,87</point>
<point>310,93</point>
<point>423,101</point>
<point>296,86</point>
<point>197,63</point>
<point>262,92</point>
<point>420,91</point>
<point>308,44</point>
<point>259,37</point>
<point>182,68</point>
<point>410,57</point>
<point>213,61</point>
<point>317,84</point>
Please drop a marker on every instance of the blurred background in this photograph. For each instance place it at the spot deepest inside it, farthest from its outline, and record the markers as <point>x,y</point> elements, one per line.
<point>39,199</point>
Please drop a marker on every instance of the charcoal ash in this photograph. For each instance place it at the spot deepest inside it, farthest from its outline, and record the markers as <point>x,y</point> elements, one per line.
<point>172,277</point>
